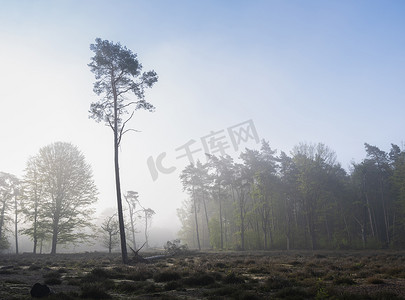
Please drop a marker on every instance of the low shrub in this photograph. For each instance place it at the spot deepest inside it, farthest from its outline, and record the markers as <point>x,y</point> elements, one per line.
<point>139,274</point>
<point>293,293</point>
<point>172,285</point>
<point>52,278</point>
<point>34,267</point>
<point>276,283</point>
<point>94,291</point>
<point>375,280</point>
<point>166,276</point>
<point>344,281</point>
<point>232,278</point>
<point>199,280</point>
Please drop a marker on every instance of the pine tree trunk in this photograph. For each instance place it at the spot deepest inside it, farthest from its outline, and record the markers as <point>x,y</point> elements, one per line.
<point>196,220</point>
<point>206,218</point>
<point>146,231</point>
<point>16,224</point>
<point>242,221</point>
<point>117,180</point>
<point>133,228</point>
<point>221,222</point>
<point>368,207</point>
<point>3,209</point>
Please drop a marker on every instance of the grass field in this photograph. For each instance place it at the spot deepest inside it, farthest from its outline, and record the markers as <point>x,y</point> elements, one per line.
<point>209,275</point>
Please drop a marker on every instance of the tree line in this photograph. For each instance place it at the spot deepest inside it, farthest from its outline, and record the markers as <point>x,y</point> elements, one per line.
<point>304,200</point>
<point>52,203</point>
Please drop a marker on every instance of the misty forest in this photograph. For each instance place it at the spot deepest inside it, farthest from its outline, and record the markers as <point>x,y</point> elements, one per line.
<point>304,200</point>
<point>266,224</point>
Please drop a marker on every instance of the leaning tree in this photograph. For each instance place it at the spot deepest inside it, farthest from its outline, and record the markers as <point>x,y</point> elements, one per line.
<point>67,192</point>
<point>118,73</point>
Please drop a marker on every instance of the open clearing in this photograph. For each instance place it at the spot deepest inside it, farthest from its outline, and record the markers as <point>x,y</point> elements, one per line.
<point>210,275</point>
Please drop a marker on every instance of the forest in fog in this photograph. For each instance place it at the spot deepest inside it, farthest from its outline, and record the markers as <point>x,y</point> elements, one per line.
<point>53,205</point>
<point>305,200</point>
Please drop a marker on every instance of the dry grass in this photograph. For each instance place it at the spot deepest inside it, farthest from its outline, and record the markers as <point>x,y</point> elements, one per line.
<point>210,275</point>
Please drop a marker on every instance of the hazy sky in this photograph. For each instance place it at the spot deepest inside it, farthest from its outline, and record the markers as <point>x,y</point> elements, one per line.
<point>300,71</point>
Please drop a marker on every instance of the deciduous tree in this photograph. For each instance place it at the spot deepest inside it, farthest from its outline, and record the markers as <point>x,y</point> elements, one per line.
<point>110,230</point>
<point>33,188</point>
<point>67,192</point>
<point>8,185</point>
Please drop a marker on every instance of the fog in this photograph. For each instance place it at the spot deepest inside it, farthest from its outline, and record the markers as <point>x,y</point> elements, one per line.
<point>288,72</point>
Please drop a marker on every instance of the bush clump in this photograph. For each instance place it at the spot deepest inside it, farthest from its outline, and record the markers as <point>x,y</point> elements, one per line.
<point>52,278</point>
<point>375,280</point>
<point>232,278</point>
<point>276,283</point>
<point>94,291</point>
<point>199,280</point>
<point>344,281</point>
<point>166,276</point>
<point>174,247</point>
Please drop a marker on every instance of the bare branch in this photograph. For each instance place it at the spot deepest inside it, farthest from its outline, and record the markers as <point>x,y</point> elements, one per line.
<point>123,126</point>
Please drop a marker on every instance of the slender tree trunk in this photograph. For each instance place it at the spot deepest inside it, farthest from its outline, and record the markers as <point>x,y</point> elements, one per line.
<point>368,207</point>
<point>327,229</point>
<point>110,243</point>
<point>287,219</point>
<point>55,224</point>
<point>347,230</point>
<point>35,228</point>
<point>54,235</point>
<point>206,217</point>
<point>117,179</point>
<point>221,222</point>
<point>265,234</point>
<point>131,215</point>
<point>3,209</point>
<point>386,221</point>
<point>242,221</point>
<point>196,220</point>
<point>311,231</point>
<point>146,231</point>
<point>393,229</point>
<point>16,223</point>
<point>133,228</point>
<point>364,234</point>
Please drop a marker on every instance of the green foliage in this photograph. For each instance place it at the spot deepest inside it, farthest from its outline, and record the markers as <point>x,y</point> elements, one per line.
<point>117,72</point>
<point>215,233</point>
<point>4,243</point>
<point>303,201</point>
<point>60,190</point>
<point>174,247</point>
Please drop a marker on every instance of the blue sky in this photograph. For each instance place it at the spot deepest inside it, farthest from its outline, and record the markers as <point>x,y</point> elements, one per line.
<point>302,71</point>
